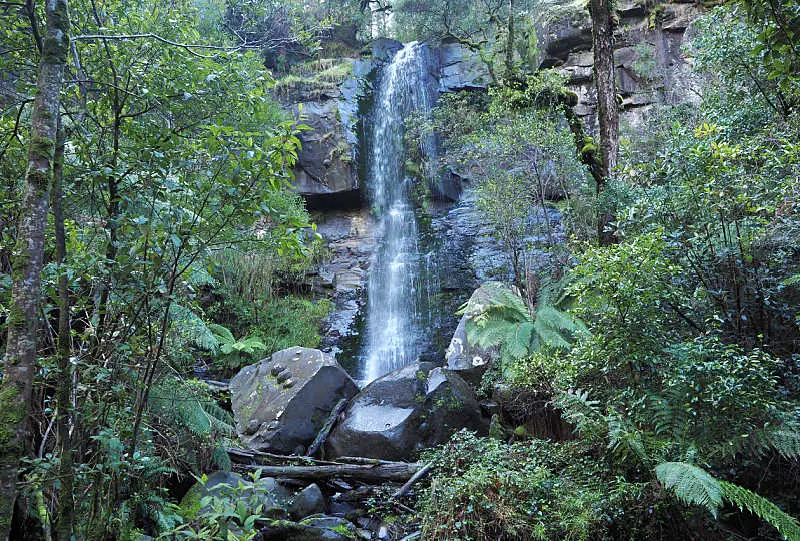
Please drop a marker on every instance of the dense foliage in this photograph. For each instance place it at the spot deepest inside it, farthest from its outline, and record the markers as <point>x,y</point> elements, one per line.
<point>646,389</point>
<point>687,376</point>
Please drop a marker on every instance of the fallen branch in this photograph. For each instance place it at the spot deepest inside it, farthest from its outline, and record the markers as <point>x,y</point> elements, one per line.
<point>403,490</point>
<point>326,428</point>
<point>394,471</point>
<point>254,458</point>
<point>363,460</point>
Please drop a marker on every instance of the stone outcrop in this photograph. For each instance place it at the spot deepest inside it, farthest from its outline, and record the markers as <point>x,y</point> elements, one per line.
<point>469,360</point>
<point>280,403</point>
<point>326,162</point>
<point>460,69</point>
<point>407,410</point>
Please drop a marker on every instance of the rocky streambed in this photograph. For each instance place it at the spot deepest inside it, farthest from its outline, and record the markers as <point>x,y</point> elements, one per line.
<point>323,448</point>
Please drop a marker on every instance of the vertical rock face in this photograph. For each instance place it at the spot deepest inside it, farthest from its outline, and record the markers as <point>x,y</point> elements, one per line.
<point>280,403</point>
<point>650,65</point>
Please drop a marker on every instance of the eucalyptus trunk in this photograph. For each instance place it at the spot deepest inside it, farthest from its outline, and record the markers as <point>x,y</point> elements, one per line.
<point>23,320</point>
<point>603,23</point>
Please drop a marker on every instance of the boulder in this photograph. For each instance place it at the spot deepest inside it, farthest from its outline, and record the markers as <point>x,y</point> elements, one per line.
<point>384,49</point>
<point>404,411</point>
<point>280,403</point>
<point>229,486</point>
<point>468,360</point>
<point>308,501</point>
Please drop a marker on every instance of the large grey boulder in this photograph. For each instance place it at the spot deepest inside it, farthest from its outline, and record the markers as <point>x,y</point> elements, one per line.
<point>464,358</point>
<point>280,403</point>
<point>409,409</point>
<point>309,501</point>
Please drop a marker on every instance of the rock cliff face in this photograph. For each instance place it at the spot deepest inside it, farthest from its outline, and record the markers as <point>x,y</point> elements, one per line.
<point>327,165</point>
<point>651,67</point>
<point>331,172</point>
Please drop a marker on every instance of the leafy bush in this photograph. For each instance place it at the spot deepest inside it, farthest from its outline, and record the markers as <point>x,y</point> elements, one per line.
<point>483,489</point>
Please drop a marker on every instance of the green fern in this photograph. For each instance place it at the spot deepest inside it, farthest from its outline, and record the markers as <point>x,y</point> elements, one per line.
<point>695,486</point>
<point>585,414</point>
<point>786,441</point>
<point>744,499</point>
<point>670,417</point>
<point>624,439</point>
<point>500,318</point>
<point>691,485</point>
<point>757,443</point>
<point>187,405</point>
<point>221,457</point>
<point>188,327</point>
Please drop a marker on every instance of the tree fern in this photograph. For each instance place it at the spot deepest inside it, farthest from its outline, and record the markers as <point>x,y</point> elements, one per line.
<point>669,415</point>
<point>624,439</point>
<point>695,486</point>
<point>498,317</point>
<point>190,407</point>
<point>786,441</point>
<point>188,327</point>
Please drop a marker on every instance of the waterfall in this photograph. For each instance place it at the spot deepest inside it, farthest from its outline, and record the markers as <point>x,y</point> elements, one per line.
<point>397,307</point>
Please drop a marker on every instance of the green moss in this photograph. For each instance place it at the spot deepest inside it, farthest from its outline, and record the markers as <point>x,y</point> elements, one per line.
<point>190,505</point>
<point>43,146</point>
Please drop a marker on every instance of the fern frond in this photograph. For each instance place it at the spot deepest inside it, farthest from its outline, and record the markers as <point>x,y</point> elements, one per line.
<point>670,417</point>
<point>742,498</point>
<point>221,457</point>
<point>187,406</point>
<point>518,343</point>
<point>189,327</point>
<point>786,441</point>
<point>222,334</point>
<point>691,484</point>
<point>585,414</point>
<point>624,439</point>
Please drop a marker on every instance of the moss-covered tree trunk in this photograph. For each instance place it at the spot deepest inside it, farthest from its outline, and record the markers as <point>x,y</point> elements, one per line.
<point>603,23</point>
<point>20,362</point>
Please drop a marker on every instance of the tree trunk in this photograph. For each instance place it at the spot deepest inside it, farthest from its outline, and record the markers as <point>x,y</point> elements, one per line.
<point>65,515</point>
<point>20,363</point>
<point>603,23</point>
<point>510,42</point>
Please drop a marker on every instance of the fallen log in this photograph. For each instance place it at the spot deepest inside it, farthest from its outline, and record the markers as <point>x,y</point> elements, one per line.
<point>322,435</point>
<point>247,456</point>
<point>365,461</point>
<point>394,471</point>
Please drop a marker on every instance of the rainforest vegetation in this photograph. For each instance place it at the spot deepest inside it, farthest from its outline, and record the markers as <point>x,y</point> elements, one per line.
<point>645,381</point>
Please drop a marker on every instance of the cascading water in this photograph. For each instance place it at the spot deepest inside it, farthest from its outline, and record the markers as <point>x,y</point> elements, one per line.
<point>397,305</point>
